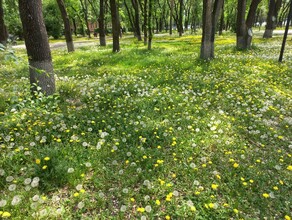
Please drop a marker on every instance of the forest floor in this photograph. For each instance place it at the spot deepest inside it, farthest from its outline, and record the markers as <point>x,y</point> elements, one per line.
<point>154,134</point>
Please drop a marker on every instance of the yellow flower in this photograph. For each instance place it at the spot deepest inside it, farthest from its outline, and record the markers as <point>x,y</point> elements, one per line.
<point>214,186</point>
<point>287,217</point>
<point>47,158</point>
<point>235,211</point>
<point>193,208</point>
<point>6,215</point>
<point>276,188</point>
<point>141,209</point>
<point>37,161</point>
<point>44,167</point>
<point>266,195</point>
<point>76,194</point>
<point>82,190</point>
<point>218,177</point>
<point>167,217</point>
<point>211,205</point>
<point>132,200</point>
<point>157,202</point>
<point>289,168</point>
<point>235,165</point>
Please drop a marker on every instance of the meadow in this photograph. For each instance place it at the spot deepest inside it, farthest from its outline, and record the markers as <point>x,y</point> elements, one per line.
<point>154,134</point>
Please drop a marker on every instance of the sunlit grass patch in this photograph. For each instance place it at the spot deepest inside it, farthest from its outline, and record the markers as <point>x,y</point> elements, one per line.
<point>154,134</point>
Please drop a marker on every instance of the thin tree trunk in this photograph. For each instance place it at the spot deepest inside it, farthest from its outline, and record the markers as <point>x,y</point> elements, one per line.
<point>286,33</point>
<point>74,26</point>
<point>115,25</point>
<point>101,19</point>
<point>37,45</point>
<point>137,19</point>
<point>85,12</point>
<point>3,29</point>
<point>171,17</point>
<point>150,31</point>
<point>131,18</point>
<point>274,7</point>
<point>180,18</point>
<point>145,25</point>
<point>68,34</point>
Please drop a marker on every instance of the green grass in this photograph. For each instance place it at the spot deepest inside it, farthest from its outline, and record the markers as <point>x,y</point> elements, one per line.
<point>150,134</point>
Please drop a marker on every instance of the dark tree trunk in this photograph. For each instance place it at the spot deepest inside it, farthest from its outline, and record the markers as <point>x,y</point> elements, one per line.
<point>37,45</point>
<point>131,18</point>
<point>274,7</point>
<point>171,16</point>
<point>145,24</point>
<point>150,28</point>
<point>68,34</point>
<point>244,27</point>
<point>101,19</point>
<point>85,13</point>
<point>3,29</point>
<point>221,26</point>
<point>115,25</point>
<point>137,19</point>
<point>74,26</point>
<point>210,18</point>
<point>289,17</point>
<point>180,18</point>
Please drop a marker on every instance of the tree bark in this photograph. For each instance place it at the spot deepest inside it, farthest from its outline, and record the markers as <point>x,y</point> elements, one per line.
<point>210,17</point>
<point>145,25</point>
<point>37,45</point>
<point>115,25</point>
<point>3,29</point>
<point>101,19</point>
<point>180,18</point>
<point>137,19</point>
<point>274,7</point>
<point>150,28</point>
<point>171,17</point>
<point>68,34</point>
<point>85,13</point>
<point>244,27</point>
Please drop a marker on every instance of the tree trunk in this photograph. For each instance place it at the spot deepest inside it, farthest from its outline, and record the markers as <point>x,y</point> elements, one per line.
<point>210,18</point>
<point>101,19</point>
<point>145,25</point>
<point>85,13</point>
<point>150,31</point>
<point>68,34</point>
<point>131,18</point>
<point>221,26</point>
<point>37,45</point>
<point>180,18</point>
<point>115,25</point>
<point>3,29</point>
<point>74,26</point>
<point>137,19</point>
<point>274,7</point>
<point>171,17</point>
<point>244,27</point>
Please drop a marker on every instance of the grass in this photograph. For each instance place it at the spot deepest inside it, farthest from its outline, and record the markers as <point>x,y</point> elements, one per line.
<point>154,134</point>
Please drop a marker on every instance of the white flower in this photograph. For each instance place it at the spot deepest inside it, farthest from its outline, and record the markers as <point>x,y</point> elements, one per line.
<point>27,181</point>
<point>12,187</point>
<point>123,208</point>
<point>81,205</point>
<point>70,170</point>
<point>9,178</point>
<point>2,172</point>
<point>35,198</point>
<point>125,190</point>
<point>3,203</point>
<point>79,187</point>
<point>88,164</point>
<point>16,200</point>
<point>148,208</point>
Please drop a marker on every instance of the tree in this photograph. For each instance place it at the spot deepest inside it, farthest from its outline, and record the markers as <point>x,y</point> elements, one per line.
<point>68,34</point>
<point>3,29</point>
<point>150,29</point>
<point>244,26</point>
<point>171,5</point>
<point>211,12</point>
<point>137,19</point>
<point>115,25</point>
<point>101,22</point>
<point>84,6</point>
<point>37,45</point>
<point>274,7</point>
<point>52,20</point>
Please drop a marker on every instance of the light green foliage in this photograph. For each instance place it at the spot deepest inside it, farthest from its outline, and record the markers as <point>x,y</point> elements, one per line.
<point>159,134</point>
<point>53,20</point>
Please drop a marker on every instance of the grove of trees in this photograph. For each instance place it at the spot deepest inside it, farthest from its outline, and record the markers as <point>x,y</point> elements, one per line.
<point>54,18</point>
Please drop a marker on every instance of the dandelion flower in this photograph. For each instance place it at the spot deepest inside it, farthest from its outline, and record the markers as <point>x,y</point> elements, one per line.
<point>235,211</point>
<point>3,203</point>
<point>289,168</point>
<point>157,202</point>
<point>167,217</point>
<point>123,208</point>
<point>37,161</point>
<point>235,165</point>
<point>287,217</point>
<point>6,215</point>
<point>266,195</point>
<point>214,186</point>
<point>141,209</point>
<point>47,158</point>
<point>148,208</point>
